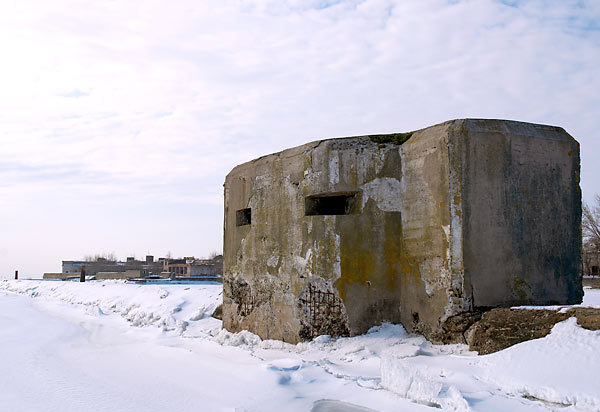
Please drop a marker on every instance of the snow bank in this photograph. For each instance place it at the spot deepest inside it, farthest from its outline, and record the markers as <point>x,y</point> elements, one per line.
<point>421,383</point>
<point>561,369</point>
<point>557,371</point>
<point>171,307</point>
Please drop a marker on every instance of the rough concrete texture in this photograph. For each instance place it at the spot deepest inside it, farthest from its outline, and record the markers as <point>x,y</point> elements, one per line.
<point>426,229</point>
<point>500,328</point>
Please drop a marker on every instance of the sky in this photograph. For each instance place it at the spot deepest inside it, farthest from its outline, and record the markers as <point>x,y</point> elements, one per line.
<point>119,120</point>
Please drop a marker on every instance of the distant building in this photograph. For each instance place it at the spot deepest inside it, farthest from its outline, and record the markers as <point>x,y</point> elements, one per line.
<point>103,268</point>
<point>192,267</point>
<point>145,267</point>
<point>207,267</point>
<point>177,266</point>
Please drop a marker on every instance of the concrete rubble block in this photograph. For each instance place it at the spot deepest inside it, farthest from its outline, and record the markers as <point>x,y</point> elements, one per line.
<point>428,229</point>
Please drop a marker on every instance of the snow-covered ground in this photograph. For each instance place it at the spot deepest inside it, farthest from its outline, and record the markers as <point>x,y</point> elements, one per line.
<point>114,346</point>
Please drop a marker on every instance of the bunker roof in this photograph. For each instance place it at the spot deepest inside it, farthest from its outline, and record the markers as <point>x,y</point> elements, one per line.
<point>474,125</point>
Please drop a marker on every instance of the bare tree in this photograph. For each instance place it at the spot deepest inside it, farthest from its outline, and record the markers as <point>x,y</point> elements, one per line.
<point>213,255</point>
<point>94,258</point>
<point>590,223</point>
<point>590,228</point>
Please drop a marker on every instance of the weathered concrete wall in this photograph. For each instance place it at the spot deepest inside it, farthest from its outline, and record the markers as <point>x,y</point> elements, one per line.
<point>128,274</point>
<point>522,213</point>
<point>60,276</point>
<point>405,245</point>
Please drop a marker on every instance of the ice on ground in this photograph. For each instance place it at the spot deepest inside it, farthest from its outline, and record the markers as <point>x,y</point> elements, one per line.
<point>386,369</point>
<point>286,364</point>
<point>416,382</point>
<point>327,405</point>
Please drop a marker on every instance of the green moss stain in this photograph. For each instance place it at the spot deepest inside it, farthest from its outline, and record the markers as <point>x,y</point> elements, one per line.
<point>396,138</point>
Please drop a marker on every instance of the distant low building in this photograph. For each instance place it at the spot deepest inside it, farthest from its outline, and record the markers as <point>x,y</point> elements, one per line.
<point>128,274</point>
<point>103,268</point>
<point>207,267</point>
<point>179,267</point>
<point>145,267</point>
<point>192,267</point>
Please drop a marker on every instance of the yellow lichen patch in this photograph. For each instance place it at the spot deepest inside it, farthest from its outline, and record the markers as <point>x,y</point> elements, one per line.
<point>405,265</point>
<point>521,289</point>
<point>369,252</point>
<point>356,267</point>
<point>392,248</point>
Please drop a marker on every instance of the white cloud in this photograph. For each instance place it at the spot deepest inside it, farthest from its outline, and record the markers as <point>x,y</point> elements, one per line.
<point>131,103</point>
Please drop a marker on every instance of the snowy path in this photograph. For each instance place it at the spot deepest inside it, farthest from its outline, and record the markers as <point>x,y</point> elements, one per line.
<point>112,346</point>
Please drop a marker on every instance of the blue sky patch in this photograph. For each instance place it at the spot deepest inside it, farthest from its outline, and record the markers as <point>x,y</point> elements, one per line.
<point>76,93</point>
